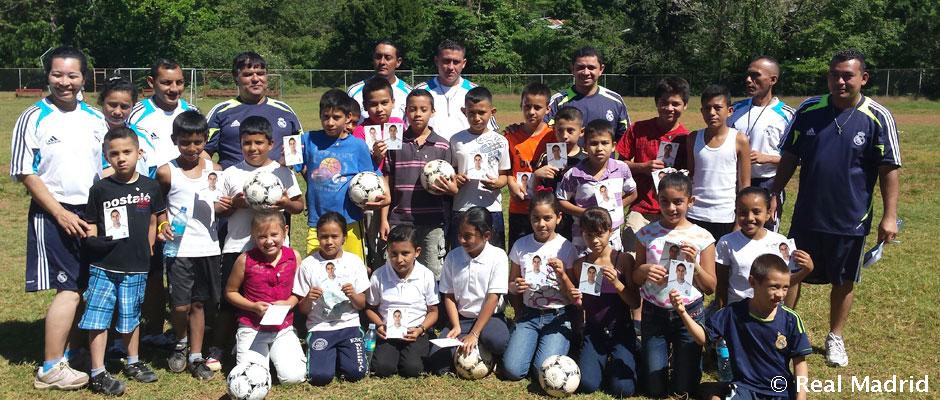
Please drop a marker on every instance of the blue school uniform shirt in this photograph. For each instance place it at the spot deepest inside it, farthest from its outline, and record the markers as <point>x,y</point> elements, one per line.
<point>331,162</point>
<point>760,349</point>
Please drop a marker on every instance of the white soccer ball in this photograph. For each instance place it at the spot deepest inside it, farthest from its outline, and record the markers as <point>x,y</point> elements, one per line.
<point>559,376</point>
<point>365,187</point>
<point>476,364</point>
<point>263,190</point>
<point>249,381</point>
<point>434,169</point>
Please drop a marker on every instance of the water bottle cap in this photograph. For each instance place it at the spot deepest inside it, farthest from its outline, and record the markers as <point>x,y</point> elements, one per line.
<point>183,209</point>
<point>371,326</point>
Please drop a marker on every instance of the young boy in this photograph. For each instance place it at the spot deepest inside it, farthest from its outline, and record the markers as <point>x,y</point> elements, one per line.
<point>332,157</point>
<point>568,130</point>
<point>763,336</point>
<point>194,275</point>
<point>718,158</point>
<point>639,147</point>
<point>118,267</point>
<point>527,142</point>
<point>411,203</point>
<point>464,146</point>
<point>256,140</point>
<point>355,112</point>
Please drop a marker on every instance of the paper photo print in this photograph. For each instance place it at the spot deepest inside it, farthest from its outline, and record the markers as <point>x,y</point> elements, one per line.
<point>395,323</point>
<point>608,194</point>
<point>293,150</point>
<point>557,155</point>
<point>680,279</point>
<point>591,278</point>
<point>525,180</point>
<point>116,222</point>
<point>373,134</point>
<point>213,189</point>
<point>659,174</point>
<point>536,271</point>
<point>671,251</point>
<point>478,167</point>
<point>332,284</point>
<point>785,249</point>
<point>393,134</point>
<point>667,153</point>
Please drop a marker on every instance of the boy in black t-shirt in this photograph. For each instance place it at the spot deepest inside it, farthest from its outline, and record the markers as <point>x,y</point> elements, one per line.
<point>123,212</point>
<point>569,126</point>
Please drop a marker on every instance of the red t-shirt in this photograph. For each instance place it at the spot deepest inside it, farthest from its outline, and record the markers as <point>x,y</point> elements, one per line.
<point>641,144</point>
<point>523,151</point>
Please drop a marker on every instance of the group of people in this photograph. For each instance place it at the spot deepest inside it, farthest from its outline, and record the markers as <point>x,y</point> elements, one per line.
<point>598,262</point>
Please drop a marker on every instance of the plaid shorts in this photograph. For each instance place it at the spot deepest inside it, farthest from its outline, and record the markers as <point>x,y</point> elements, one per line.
<point>106,288</point>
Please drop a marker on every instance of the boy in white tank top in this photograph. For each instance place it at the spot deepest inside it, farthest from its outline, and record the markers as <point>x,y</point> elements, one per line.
<point>719,164</point>
<point>194,274</point>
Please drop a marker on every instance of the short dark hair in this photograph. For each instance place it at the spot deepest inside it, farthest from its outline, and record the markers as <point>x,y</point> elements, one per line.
<point>755,190</point>
<point>477,217</point>
<point>595,220</point>
<point>587,51</point>
<point>536,89</point>
<point>354,106</point>
<point>477,95</point>
<point>420,93</point>
<point>332,217</point>
<point>246,59</point>
<point>254,125</point>
<point>403,233</point>
<point>676,180</point>
<point>846,55</point>
<point>389,42</point>
<point>598,127</point>
<point>335,99</point>
<point>165,63</point>
<point>121,132</point>
<point>769,59</point>
<point>716,90</point>
<point>66,52</point>
<point>569,113</point>
<point>375,84</point>
<point>448,44</point>
<point>190,122</point>
<point>765,263</point>
<point>117,84</point>
<point>672,86</point>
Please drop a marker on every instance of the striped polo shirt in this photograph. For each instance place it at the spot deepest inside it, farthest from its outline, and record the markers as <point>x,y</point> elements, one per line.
<point>411,203</point>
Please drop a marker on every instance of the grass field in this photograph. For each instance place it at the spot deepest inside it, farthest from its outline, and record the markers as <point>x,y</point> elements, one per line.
<point>891,331</point>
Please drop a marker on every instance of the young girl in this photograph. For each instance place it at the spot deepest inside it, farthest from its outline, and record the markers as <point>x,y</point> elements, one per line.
<point>736,251</point>
<point>661,328</point>
<point>609,348</point>
<point>118,96</point>
<point>332,305</point>
<point>473,281</point>
<point>261,277</point>
<point>543,328</point>
<point>406,286</point>
<point>579,188</point>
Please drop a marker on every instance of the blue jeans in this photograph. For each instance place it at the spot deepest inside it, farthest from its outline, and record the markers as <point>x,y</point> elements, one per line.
<point>608,360</point>
<point>538,335</point>
<point>662,331</point>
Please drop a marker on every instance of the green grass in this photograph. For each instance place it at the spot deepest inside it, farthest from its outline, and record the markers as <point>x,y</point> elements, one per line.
<point>891,330</point>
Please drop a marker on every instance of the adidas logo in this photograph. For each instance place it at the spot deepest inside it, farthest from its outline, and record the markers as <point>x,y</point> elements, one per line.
<point>235,124</point>
<point>153,136</point>
<point>52,140</point>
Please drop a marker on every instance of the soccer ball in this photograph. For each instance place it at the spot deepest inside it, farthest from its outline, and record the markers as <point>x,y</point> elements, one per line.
<point>434,169</point>
<point>249,381</point>
<point>365,187</point>
<point>263,190</point>
<point>475,365</point>
<point>559,376</point>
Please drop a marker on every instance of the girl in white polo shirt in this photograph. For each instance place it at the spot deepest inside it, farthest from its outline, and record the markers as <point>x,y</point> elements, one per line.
<point>405,287</point>
<point>473,281</point>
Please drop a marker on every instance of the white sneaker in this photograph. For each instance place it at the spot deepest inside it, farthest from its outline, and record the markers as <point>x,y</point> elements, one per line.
<point>214,359</point>
<point>61,377</point>
<point>835,351</point>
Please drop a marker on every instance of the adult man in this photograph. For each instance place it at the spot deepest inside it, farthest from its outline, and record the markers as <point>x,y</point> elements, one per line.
<point>593,100</point>
<point>153,117</point>
<point>763,118</point>
<point>386,58</point>
<point>449,89</point>
<point>843,142</point>
<point>250,71</point>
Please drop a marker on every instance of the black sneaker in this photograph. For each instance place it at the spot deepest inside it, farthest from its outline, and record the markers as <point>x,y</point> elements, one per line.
<point>140,372</point>
<point>200,370</point>
<point>103,383</point>
<point>177,359</point>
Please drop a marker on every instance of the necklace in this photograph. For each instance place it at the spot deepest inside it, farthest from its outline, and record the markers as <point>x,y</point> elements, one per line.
<point>835,119</point>
<point>749,126</point>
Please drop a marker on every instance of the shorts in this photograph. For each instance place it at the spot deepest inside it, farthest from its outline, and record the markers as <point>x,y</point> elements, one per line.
<point>194,279</point>
<point>107,289</point>
<point>228,262</point>
<point>837,259</point>
<point>519,226</point>
<point>353,244</point>
<point>53,258</point>
<point>716,229</point>
<point>156,259</point>
<point>635,221</point>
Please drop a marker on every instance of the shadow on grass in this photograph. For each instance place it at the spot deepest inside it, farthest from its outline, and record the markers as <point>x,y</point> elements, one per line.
<point>24,341</point>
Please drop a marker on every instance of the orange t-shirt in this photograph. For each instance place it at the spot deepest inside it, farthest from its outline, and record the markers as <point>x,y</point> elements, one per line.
<point>523,150</point>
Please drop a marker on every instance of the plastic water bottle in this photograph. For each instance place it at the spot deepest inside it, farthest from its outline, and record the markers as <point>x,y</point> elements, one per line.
<point>724,361</point>
<point>369,342</point>
<point>178,226</point>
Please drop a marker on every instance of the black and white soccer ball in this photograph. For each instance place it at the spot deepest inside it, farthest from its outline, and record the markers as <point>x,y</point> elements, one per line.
<point>263,190</point>
<point>365,187</point>
<point>476,364</point>
<point>559,376</point>
<point>434,169</point>
<point>249,381</point>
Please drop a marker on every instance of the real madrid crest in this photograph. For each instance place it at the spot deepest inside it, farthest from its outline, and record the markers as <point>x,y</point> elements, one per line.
<point>859,138</point>
<point>781,342</point>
